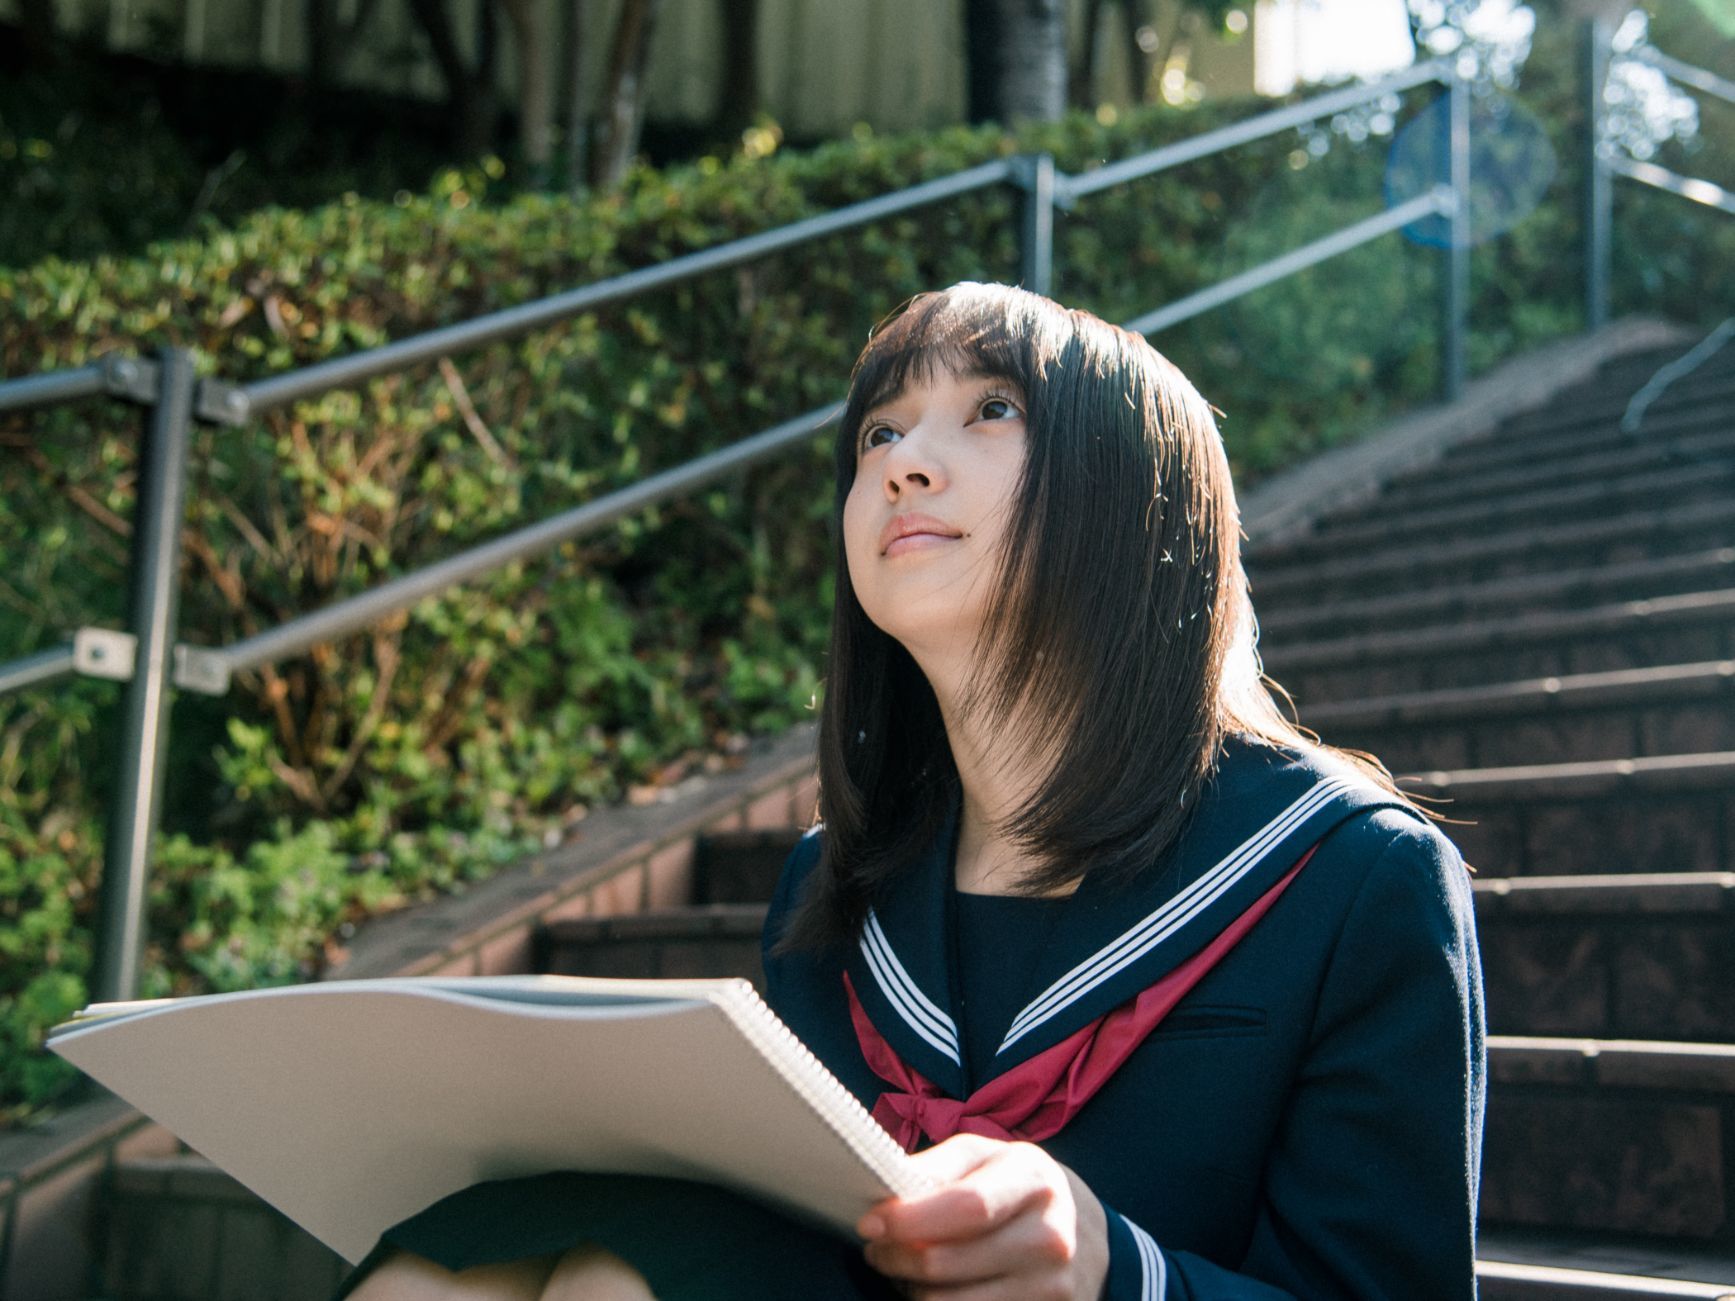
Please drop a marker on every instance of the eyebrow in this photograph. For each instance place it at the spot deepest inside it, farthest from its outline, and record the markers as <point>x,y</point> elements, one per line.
<point>972,374</point>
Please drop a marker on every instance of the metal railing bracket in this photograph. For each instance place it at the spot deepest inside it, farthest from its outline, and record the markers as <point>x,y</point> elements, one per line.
<point>104,653</point>
<point>133,378</point>
<point>201,671</point>
<point>218,402</point>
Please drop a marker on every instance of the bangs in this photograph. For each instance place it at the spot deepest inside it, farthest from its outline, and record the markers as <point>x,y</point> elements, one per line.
<point>969,330</point>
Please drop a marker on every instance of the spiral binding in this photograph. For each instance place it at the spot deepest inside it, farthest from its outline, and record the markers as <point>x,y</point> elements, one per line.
<point>841,1110</point>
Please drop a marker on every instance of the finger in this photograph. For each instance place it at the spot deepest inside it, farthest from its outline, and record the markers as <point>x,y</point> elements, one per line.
<point>1006,1185</point>
<point>956,1156</point>
<point>943,1165</point>
<point>1031,1245</point>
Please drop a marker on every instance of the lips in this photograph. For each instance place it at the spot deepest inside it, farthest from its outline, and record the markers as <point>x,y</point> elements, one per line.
<point>912,531</point>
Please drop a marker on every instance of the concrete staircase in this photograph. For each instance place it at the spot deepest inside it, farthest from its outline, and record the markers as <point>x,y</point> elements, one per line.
<point>1539,631</point>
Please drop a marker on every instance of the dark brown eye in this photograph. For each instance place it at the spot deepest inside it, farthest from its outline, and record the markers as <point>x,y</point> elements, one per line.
<point>998,408</point>
<point>878,436</point>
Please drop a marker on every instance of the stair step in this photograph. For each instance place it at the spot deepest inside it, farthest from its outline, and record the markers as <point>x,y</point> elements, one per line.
<point>1597,432</point>
<point>1608,1135</point>
<point>1672,709</point>
<point>1446,481</point>
<point>1515,1281</point>
<point>1542,548</point>
<point>1604,407</point>
<point>1546,1265</point>
<point>1677,629</point>
<point>1664,813</point>
<point>1617,957</point>
<point>740,866</point>
<point>179,1227</point>
<point>1666,575</point>
<point>1672,487</point>
<point>678,943</point>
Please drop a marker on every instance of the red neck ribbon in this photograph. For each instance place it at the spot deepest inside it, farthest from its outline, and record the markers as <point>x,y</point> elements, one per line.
<point>1035,1099</point>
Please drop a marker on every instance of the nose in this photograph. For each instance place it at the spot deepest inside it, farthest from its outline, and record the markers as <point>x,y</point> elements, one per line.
<point>911,465</point>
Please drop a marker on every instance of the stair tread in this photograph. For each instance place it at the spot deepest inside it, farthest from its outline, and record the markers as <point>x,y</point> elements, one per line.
<point>1554,587</point>
<point>1613,1254</point>
<point>1682,608</point>
<point>1280,567</point>
<point>1530,696</point>
<point>1580,778</point>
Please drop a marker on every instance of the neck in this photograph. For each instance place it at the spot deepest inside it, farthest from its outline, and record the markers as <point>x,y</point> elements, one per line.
<point>995,784</point>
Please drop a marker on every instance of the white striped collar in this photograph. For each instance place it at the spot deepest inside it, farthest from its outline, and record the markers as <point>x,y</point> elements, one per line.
<point>919,1012</point>
<point>1263,810</point>
<point>1167,920</point>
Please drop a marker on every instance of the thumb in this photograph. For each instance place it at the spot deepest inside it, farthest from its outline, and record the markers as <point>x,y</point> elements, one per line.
<point>958,1156</point>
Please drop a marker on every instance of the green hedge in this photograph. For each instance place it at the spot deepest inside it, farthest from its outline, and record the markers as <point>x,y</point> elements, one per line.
<point>428,752</point>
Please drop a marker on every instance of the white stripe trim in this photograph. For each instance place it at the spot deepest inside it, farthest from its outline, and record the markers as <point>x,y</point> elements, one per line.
<point>1156,1269</point>
<point>901,991</point>
<point>1144,935</point>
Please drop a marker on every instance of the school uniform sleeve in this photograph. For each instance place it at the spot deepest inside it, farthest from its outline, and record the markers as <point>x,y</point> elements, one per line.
<point>1371,1187</point>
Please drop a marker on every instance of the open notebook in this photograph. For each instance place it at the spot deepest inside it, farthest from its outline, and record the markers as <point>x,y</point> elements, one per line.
<point>352,1105</point>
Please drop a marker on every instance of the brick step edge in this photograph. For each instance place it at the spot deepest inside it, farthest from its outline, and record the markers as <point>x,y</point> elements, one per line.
<point>1556,589</point>
<point>1449,480</point>
<point>1595,499</point>
<point>1530,698</point>
<point>1274,574</point>
<point>1668,773</point>
<point>1512,449</point>
<point>1698,1068</point>
<point>1500,1280</point>
<point>1628,895</point>
<point>1637,895</point>
<point>1618,618</point>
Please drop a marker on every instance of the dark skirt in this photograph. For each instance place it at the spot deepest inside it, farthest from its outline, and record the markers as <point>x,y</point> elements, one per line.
<point>689,1240</point>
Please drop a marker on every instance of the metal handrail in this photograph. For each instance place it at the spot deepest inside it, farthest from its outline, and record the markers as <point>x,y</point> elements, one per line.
<point>1436,202</point>
<point>357,612</point>
<point>1254,128</point>
<point>1605,164</point>
<point>1688,75</point>
<point>52,388</point>
<point>168,387</point>
<point>35,670</point>
<point>513,321</point>
<point>1695,188</point>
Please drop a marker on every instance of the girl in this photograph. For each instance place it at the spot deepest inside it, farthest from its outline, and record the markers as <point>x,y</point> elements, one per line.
<point>1171,1001</point>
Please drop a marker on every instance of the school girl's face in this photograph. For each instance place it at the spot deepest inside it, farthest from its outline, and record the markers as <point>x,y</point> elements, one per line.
<point>937,470</point>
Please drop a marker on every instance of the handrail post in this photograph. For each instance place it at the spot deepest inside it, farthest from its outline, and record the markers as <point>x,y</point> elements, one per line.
<point>1456,299</point>
<point>155,591</point>
<point>1598,183</point>
<point>1035,179</point>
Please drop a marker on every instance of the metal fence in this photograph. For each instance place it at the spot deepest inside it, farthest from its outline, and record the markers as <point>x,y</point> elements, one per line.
<point>154,663</point>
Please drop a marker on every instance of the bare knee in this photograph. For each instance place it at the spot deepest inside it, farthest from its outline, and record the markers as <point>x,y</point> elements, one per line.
<point>591,1273</point>
<point>406,1277</point>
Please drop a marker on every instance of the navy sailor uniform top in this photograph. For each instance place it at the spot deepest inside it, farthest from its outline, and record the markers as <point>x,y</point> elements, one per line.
<point>1305,1122</point>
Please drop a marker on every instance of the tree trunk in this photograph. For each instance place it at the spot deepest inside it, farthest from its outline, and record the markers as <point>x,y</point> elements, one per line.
<point>624,95</point>
<point>40,31</point>
<point>469,95</point>
<point>1016,53</point>
<point>535,94</point>
<point>738,90</point>
<point>1081,82</point>
<point>575,99</point>
<point>330,40</point>
<point>1141,63</point>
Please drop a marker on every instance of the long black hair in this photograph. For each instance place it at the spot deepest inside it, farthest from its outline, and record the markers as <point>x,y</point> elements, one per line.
<point>1118,648</point>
